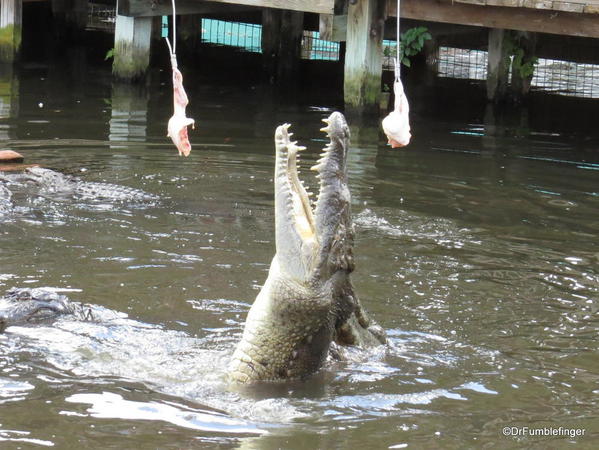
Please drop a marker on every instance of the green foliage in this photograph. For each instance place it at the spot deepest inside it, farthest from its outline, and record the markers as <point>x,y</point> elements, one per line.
<point>109,54</point>
<point>412,43</point>
<point>524,68</point>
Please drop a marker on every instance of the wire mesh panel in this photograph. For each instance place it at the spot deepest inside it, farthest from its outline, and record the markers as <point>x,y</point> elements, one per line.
<point>462,63</point>
<point>567,78</point>
<point>560,77</point>
<point>101,16</point>
<point>318,49</point>
<point>389,52</point>
<point>248,36</point>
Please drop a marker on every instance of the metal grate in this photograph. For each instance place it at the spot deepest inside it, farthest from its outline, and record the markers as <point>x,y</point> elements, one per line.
<point>567,78</point>
<point>101,16</point>
<point>318,49</point>
<point>389,52</point>
<point>246,36</point>
<point>560,77</point>
<point>462,63</point>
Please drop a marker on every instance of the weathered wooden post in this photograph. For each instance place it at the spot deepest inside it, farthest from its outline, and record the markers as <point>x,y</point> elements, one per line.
<point>290,51</point>
<point>11,19</point>
<point>132,38</point>
<point>497,65</point>
<point>364,56</point>
<point>189,32</point>
<point>70,17</point>
<point>271,29</point>
<point>282,33</point>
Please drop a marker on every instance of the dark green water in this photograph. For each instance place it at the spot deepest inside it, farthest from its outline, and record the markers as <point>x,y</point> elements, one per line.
<point>478,254</point>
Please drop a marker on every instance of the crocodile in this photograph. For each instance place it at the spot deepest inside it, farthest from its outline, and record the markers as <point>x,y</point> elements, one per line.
<point>307,304</point>
<point>21,306</point>
<point>55,185</point>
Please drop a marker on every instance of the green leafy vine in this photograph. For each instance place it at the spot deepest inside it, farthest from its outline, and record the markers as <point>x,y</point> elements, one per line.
<point>411,43</point>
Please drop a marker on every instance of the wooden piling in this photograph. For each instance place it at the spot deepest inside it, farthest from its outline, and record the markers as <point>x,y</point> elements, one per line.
<point>282,33</point>
<point>364,56</point>
<point>11,19</point>
<point>132,39</point>
<point>497,65</point>
<point>271,29</point>
<point>189,33</point>
<point>70,18</point>
<point>290,50</point>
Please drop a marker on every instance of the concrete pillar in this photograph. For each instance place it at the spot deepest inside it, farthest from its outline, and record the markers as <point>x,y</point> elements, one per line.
<point>11,19</point>
<point>364,56</point>
<point>497,66</point>
<point>132,39</point>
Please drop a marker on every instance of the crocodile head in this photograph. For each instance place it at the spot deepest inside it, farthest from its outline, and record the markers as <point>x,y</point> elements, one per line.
<point>22,306</point>
<point>313,242</point>
<point>307,296</point>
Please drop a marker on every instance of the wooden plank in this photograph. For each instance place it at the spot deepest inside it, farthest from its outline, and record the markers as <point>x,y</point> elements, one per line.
<point>523,19</point>
<point>568,7</point>
<point>315,6</point>
<point>537,4</point>
<point>150,8</point>
<point>508,3</point>
<point>555,5</point>
<point>145,8</point>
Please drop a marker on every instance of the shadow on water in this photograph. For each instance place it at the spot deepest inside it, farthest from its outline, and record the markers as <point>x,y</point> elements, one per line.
<point>476,251</point>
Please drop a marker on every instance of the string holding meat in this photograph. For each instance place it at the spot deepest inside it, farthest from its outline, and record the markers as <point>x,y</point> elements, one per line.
<point>397,123</point>
<point>178,123</point>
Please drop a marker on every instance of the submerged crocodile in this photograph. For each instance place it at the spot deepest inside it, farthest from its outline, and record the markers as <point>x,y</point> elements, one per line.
<point>56,185</point>
<point>308,301</point>
<point>21,306</point>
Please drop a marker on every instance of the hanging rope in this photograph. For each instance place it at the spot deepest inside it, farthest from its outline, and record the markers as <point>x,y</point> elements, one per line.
<point>173,50</point>
<point>178,123</point>
<point>397,46</point>
<point>397,124</point>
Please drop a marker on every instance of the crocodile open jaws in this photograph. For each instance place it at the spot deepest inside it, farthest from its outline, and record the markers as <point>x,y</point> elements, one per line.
<point>308,301</point>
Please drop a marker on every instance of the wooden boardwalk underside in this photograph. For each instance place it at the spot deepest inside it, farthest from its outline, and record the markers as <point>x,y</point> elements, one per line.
<point>570,18</point>
<point>562,17</point>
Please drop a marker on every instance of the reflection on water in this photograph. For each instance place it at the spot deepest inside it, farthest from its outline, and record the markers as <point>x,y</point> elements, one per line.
<point>129,108</point>
<point>113,406</point>
<point>9,99</point>
<point>476,251</point>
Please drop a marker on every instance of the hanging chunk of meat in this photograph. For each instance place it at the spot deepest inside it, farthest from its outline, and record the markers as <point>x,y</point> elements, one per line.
<point>178,123</point>
<point>397,124</point>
